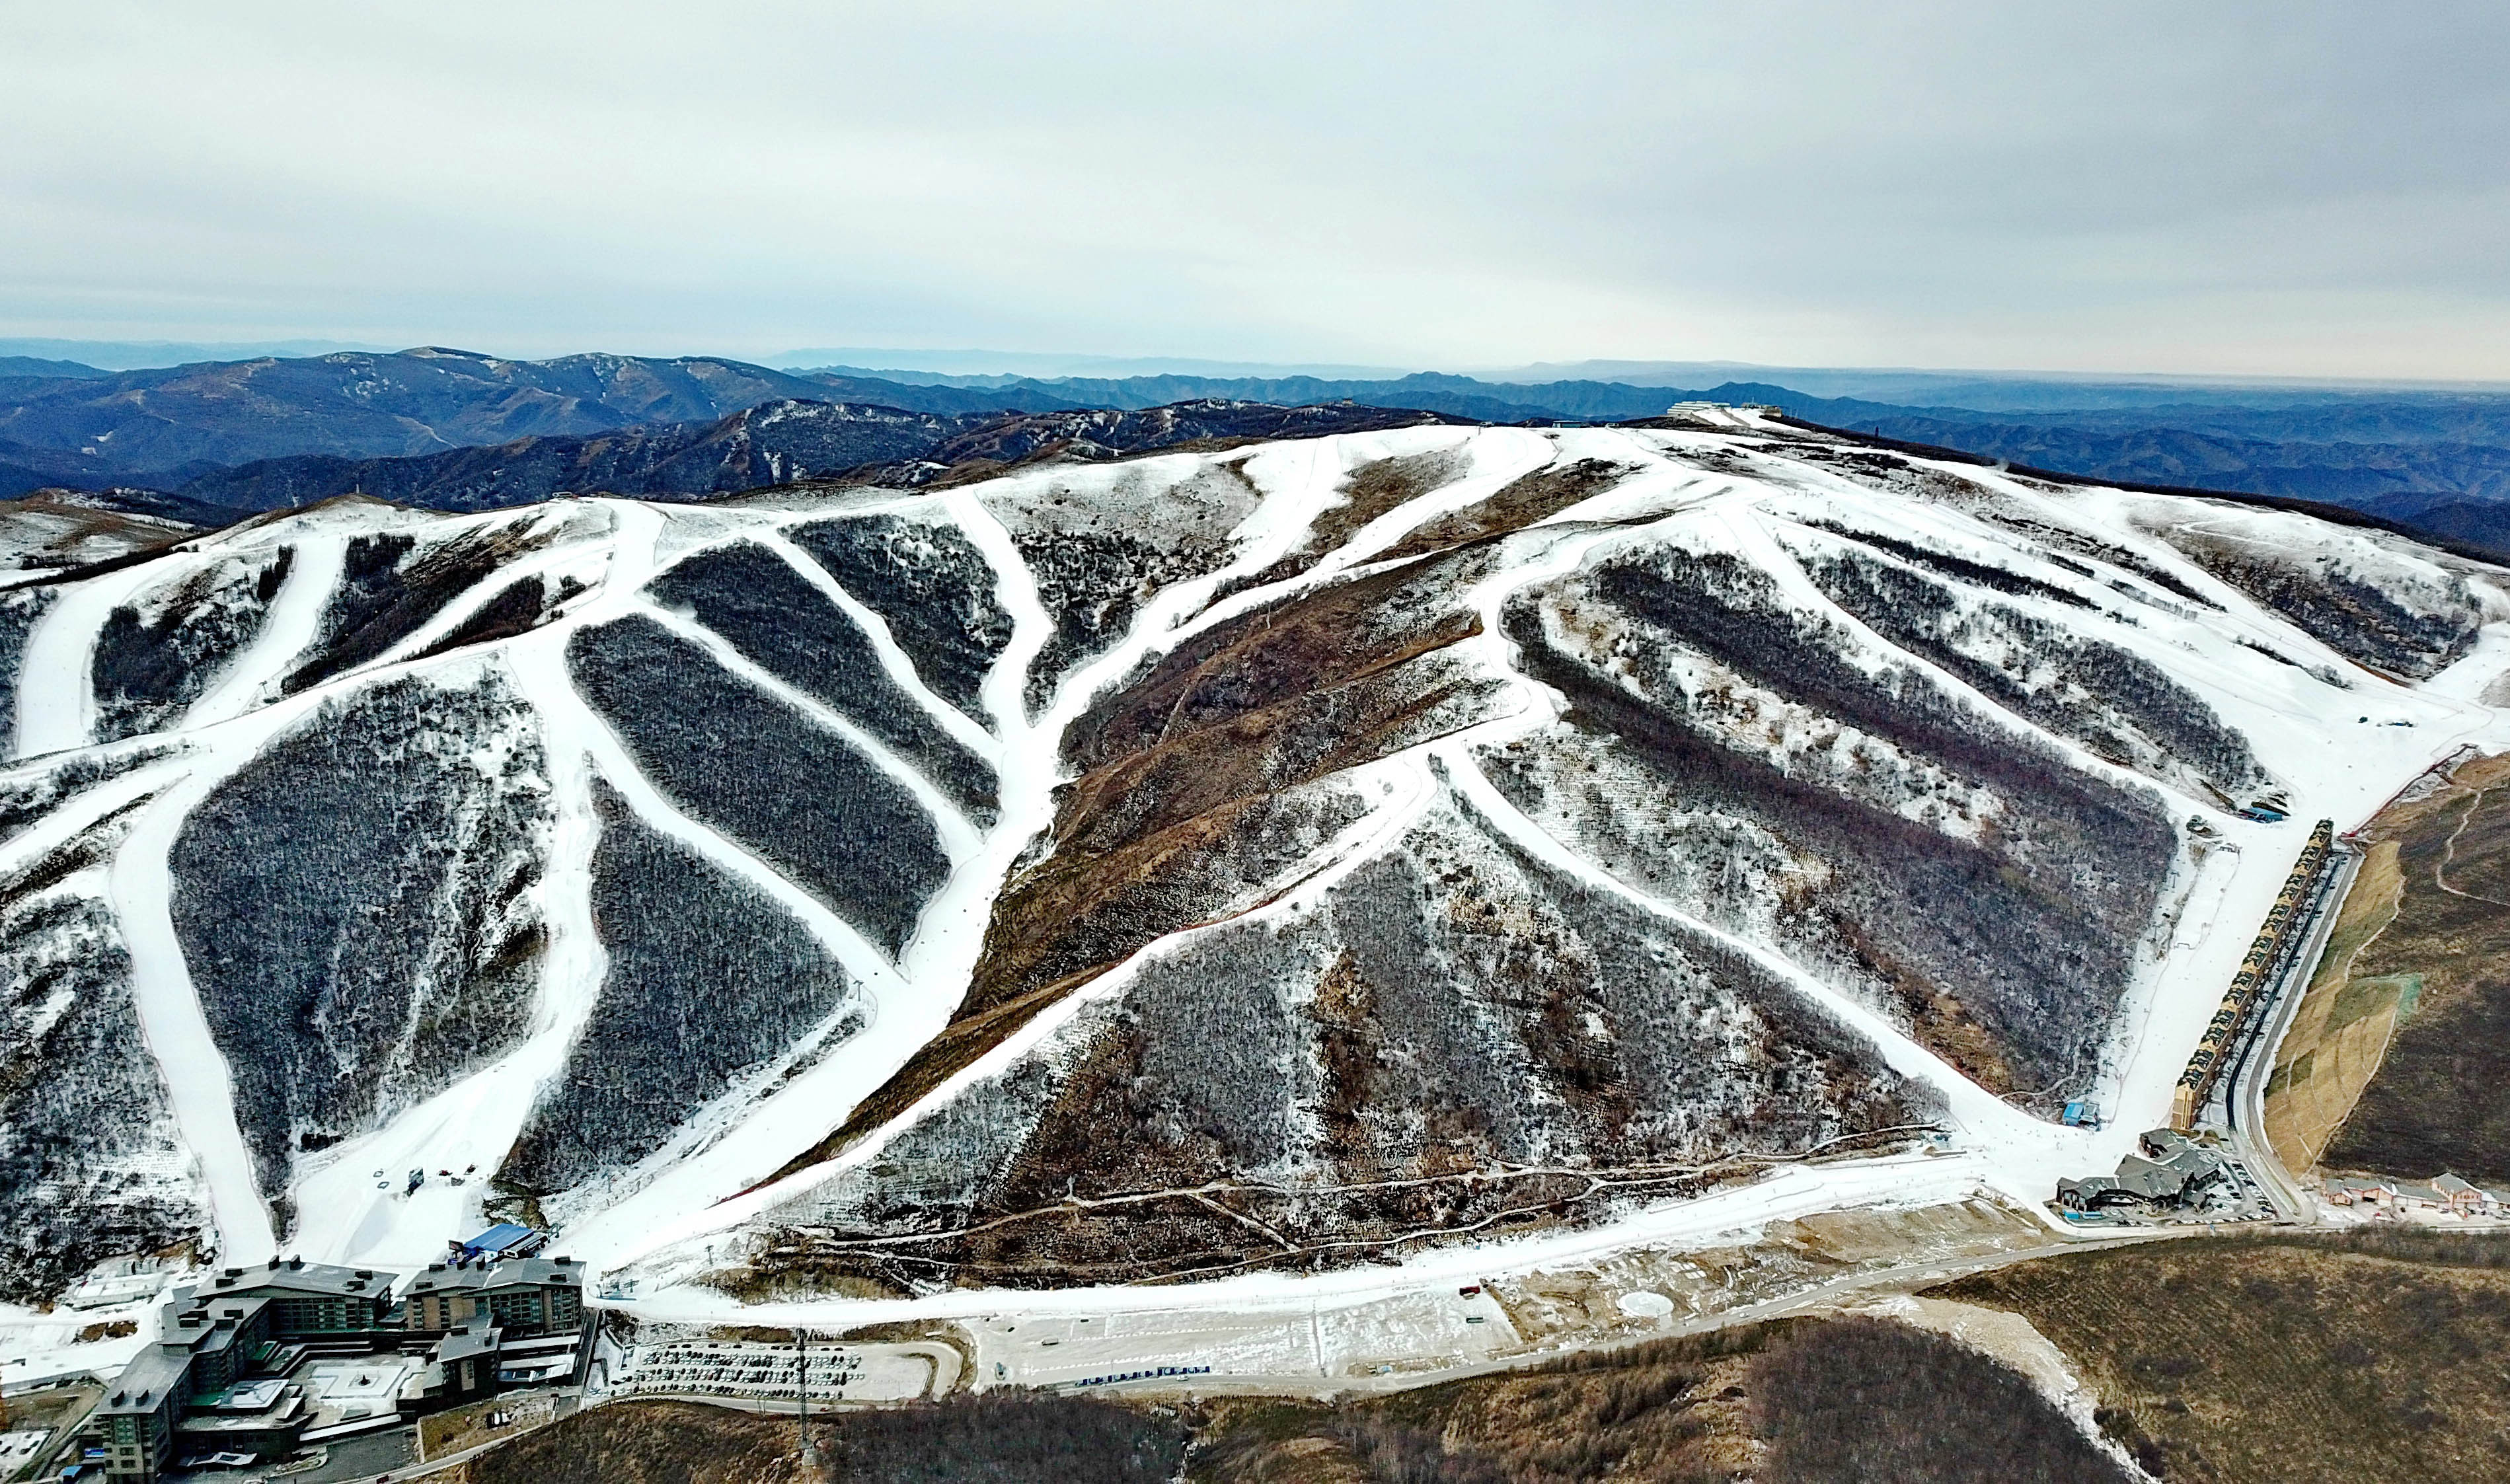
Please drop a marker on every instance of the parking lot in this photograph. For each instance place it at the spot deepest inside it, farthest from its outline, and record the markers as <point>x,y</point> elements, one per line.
<point>751,1371</point>
<point>1366,1337</point>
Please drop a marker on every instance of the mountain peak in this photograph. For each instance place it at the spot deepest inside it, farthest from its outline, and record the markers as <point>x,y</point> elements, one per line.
<point>1359,822</point>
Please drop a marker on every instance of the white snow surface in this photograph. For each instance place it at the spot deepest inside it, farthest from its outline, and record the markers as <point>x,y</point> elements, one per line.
<point>652,1223</point>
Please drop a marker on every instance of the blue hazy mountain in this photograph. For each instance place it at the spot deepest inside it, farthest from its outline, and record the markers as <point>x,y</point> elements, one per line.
<point>456,429</point>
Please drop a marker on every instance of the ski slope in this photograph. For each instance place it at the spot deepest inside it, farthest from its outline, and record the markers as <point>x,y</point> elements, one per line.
<point>1735,488</point>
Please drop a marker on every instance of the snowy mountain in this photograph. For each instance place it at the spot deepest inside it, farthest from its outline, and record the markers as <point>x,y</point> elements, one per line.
<point>1277,855</point>
<point>775,443</point>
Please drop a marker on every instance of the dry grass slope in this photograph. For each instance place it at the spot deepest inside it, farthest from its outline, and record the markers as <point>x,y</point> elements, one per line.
<point>2285,1359</point>
<point>1797,1402</point>
<point>2341,1029</point>
<point>1001,1438</point>
<point>1189,800</point>
<point>2399,1060</point>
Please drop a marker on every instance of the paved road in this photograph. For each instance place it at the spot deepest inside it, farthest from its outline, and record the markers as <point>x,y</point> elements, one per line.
<point>360,1457</point>
<point>363,1457</point>
<point>372,1457</point>
<point>2244,1099</point>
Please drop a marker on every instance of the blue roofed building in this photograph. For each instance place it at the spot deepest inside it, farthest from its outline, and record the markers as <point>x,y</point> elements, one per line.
<point>504,1240</point>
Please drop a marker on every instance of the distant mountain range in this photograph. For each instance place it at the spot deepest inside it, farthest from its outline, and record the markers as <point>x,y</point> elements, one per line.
<point>141,355</point>
<point>2353,452</point>
<point>2340,447</point>
<point>1428,391</point>
<point>14,367</point>
<point>181,422</point>
<point>459,429</point>
<point>778,442</point>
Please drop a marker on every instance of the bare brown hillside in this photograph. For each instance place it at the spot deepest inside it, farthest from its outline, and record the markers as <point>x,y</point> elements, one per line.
<point>2399,1059</point>
<point>2286,1359</point>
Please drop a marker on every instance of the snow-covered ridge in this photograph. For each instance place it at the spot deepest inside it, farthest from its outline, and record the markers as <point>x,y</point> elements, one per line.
<point>1461,824</point>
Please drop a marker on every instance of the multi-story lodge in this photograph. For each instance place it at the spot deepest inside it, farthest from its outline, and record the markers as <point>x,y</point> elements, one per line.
<point>217,1378</point>
<point>184,1391</point>
<point>529,1296</point>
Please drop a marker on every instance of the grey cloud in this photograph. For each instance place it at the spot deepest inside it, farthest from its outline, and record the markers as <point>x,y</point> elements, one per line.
<point>2238,187</point>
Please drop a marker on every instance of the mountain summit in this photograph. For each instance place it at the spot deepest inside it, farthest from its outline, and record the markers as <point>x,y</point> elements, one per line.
<point>1280,855</point>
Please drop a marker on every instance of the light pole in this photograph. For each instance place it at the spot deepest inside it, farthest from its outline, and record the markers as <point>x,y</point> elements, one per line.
<point>810,1455</point>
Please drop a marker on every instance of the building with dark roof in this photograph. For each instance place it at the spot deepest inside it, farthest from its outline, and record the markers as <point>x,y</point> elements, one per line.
<point>2350,1190</point>
<point>307,1301</point>
<point>184,1389</point>
<point>461,1367</point>
<point>525,1298</point>
<point>2177,1168</point>
<point>2462,1197</point>
<point>215,1382</point>
<point>264,1417</point>
<point>134,1424</point>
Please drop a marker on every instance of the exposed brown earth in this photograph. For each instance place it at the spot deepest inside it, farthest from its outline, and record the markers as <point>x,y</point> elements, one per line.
<point>46,530</point>
<point>2402,1046</point>
<point>1376,488</point>
<point>2287,1360</point>
<point>1578,1303</point>
<point>1177,765</point>
<point>2341,1029</point>
<point>1372,490</point>
<point>1792,1402</point>
<point>1522,501</point>
<point>1327,638</point>
<point>2276,1359</point>
<point>1448,1045</point>
<point>992,1439</point>
<point>1064,929</point>
<point>1937,1019</point>
<point>1190,806</point>
<point>1795,1402</point>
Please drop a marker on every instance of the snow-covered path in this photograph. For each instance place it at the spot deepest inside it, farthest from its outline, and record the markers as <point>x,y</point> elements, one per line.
<point>2027,1149</point>
<point>55,700</point>
<point>288,628</point>
<point>1732,1216</point>
<point>198,1079</point>
<point>908,1003</point>
<point>708,1179</point>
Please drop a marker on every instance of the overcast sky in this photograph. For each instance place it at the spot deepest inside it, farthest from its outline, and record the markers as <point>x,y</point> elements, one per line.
<point>2278,188</point>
